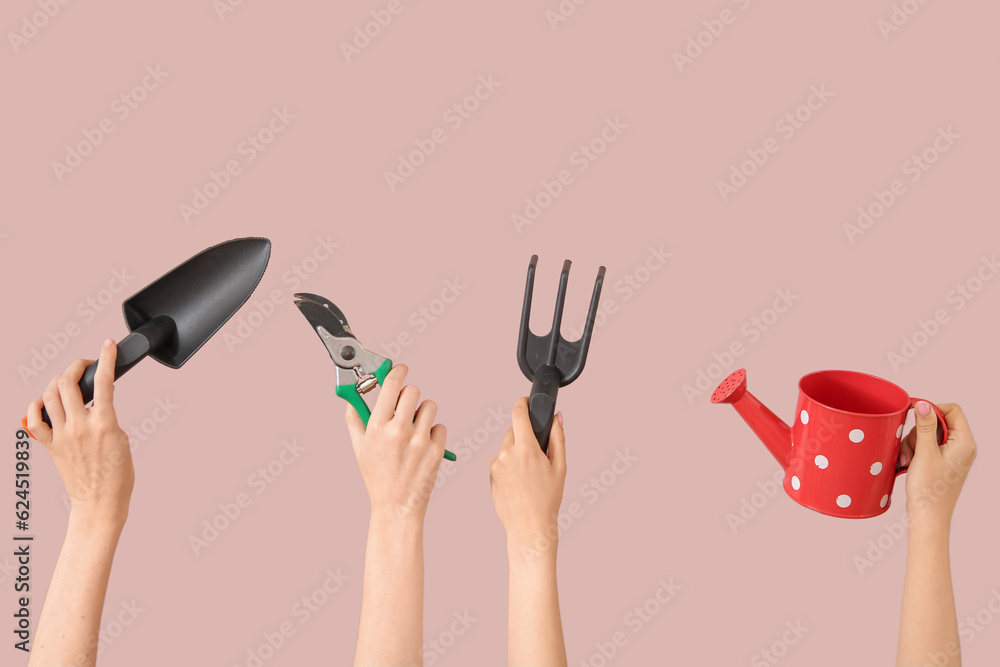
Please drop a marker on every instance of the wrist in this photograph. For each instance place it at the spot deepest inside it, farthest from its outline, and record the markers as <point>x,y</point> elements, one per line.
<point>98,532</point>
<point>396,519</point>
<point>924,528</point>
<point>98,519</point>
<point>533,547</point>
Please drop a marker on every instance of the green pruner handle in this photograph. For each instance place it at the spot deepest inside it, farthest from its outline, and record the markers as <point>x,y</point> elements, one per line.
<point>349,393</point>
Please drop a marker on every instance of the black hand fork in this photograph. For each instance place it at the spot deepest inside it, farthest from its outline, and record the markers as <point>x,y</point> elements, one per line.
<point>551,361</point>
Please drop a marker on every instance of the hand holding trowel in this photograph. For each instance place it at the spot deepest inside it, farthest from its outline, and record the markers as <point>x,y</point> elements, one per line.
<point>172,317</point>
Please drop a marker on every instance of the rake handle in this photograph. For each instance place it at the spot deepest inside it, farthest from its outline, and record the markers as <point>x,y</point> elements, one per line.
<point>542,402</point>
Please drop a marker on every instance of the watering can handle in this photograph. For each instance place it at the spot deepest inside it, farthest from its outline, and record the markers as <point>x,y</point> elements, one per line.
<point>542,403</point>
<point>941,422</point>
<point>131,350</point>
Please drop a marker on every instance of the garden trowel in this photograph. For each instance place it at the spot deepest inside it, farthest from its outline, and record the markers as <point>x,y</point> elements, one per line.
<point>172,317</point>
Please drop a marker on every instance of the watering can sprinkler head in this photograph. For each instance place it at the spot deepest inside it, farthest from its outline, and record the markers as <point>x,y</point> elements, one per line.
<point>773,432</point>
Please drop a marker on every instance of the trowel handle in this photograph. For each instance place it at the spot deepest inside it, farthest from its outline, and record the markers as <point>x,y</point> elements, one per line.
<point>542,402</point>
<point>131,350</point>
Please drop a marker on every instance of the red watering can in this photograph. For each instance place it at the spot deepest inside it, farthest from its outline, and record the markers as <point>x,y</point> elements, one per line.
<point>840,456</point>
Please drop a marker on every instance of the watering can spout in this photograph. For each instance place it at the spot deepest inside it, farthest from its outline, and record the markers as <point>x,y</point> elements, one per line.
<point>772,431</point>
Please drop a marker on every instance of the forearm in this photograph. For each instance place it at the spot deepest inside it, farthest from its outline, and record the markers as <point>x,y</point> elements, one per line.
<point>534,626</point>
<point>928,624</point>
<point>70,623</point>
<point>391,630</point>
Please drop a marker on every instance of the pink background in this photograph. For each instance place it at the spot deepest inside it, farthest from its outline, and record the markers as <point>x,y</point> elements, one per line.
<point>656,185</point>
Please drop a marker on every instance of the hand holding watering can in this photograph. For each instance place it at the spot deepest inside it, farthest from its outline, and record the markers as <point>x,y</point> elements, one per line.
<point>840,456</point>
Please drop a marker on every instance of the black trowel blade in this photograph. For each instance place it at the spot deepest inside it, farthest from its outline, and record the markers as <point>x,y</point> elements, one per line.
<point>200,295</point>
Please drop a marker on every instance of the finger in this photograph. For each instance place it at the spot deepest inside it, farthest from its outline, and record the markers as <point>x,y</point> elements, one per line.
<point>355,428</point>
<point>508,439</point>
<point>954,417</point>
<point>424,417</point>
<point>69,389</point>
<point>906,450</point>
<point>53,405</point>
<point>406,408</point>
<point>926,430</point>
<point>439,436</point>
<point>104,378</point>
<point>521,423</point>
<point>557,443</point>
<point>388,397</point>
<point>38,429</point>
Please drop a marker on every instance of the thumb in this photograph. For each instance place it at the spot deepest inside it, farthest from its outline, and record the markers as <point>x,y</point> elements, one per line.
<point>926,429</point>
<point>557,443</point>
<point>356,428</point>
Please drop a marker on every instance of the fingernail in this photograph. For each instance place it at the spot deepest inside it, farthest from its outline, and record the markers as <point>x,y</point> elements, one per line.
<point>560,418</point>
<point>24,424</point>
<point>108,342</point>
<point>904,460</point>
<point>923,408</point>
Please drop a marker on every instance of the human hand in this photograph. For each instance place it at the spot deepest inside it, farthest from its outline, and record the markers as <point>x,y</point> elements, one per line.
<point>527,484</point>
<point>401,449</point>
<point>90,450</point>
<point>936,474</point>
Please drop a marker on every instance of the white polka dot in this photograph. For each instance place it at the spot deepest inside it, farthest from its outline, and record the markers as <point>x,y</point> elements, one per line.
<point>844,500</point>
<point>822,462</point>
<point>857,435</point>
<point>884,501</point>
<point>876,468</point>
<point>796,483</point>
<point>899,431</point>
<point>804,416</point>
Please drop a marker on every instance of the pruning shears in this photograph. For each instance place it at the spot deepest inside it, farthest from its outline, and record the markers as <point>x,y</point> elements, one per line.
<point>358,370</point>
